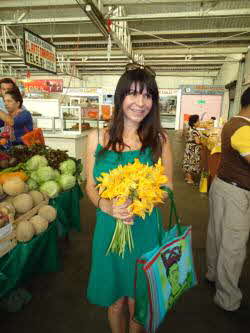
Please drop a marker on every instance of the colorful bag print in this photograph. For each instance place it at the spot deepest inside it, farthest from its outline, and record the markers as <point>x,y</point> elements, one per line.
<point>164,274</point>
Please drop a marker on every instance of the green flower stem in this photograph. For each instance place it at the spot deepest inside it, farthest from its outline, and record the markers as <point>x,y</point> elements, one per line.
<point>122,236</point>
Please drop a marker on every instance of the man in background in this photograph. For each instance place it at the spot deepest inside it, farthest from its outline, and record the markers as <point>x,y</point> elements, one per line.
<point>229,207</point>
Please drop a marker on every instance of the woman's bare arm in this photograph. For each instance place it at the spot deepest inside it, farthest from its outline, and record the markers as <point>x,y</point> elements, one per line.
<point>167,160</point>
<point>108,206</point>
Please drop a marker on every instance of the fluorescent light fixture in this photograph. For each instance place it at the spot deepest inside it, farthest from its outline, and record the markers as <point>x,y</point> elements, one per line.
<point>96,17</point>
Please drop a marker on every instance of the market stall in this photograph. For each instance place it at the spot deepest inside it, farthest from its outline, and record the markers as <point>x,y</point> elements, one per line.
<point>39,202</point>
<point>203,100</point>
<point>39,255</point>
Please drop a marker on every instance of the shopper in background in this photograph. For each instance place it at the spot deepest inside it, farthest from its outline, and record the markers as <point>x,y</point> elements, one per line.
<point>5,85</point>
<point>135,132</point>
<point>229,205</point>
<point>191,160</point>
<point>17,121</point>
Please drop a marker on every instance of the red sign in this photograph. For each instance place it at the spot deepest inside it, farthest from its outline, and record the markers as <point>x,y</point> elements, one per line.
<point>49,86</point>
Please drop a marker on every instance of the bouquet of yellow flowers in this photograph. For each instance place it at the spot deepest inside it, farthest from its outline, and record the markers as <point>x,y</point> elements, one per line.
<point>142,185</point>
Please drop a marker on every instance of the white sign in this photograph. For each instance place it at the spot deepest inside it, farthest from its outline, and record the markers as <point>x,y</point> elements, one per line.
<point>38,52</point>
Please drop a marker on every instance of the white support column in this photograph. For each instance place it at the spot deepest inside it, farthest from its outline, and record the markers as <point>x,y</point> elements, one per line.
<point>238,90</point>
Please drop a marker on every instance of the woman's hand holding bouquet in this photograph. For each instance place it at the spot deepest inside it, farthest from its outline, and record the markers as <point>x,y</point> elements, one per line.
<point>133,189</point>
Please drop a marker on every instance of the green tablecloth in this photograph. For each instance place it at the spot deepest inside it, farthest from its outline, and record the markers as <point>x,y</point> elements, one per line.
<point>40,255</point>
<point>67,205</point>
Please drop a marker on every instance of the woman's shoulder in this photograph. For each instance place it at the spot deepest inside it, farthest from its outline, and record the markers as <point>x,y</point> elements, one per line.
<point>24,112</point>
<point>96,136</point>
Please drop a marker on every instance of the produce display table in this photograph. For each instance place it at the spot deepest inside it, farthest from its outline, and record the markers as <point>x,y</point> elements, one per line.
<point>40,255</point>
<point>67,205</point>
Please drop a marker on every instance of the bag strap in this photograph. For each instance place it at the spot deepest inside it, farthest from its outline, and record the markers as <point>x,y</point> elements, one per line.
<point>173,211</point>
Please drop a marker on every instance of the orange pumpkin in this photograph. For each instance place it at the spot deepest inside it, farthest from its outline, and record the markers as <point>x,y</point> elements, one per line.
<point>9,175</point>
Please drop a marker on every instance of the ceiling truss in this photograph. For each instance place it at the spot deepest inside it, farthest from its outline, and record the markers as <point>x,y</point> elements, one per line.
<point>183,38</point>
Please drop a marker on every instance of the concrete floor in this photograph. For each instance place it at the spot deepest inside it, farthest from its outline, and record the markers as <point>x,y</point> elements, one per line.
<point>59,303</point>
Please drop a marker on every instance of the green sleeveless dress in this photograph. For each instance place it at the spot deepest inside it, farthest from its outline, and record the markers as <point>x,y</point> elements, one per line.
<point>112,276</point>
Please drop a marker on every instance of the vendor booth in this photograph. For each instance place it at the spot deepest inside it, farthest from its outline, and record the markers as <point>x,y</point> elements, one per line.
<point>203,100</point>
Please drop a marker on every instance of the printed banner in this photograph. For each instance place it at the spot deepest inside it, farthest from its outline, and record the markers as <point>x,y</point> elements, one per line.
<point>49,86</point>
<point>168,91</point>
<point>38,52</point>
<point>201,89</point>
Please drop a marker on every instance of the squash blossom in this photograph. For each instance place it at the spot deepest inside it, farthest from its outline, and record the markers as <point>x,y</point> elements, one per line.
<point>140,183</point>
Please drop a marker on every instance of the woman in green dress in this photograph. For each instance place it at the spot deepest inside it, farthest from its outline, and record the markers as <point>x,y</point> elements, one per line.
<point>135,132</point>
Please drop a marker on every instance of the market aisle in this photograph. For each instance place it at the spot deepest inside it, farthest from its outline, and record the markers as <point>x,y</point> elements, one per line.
<point>59,303</point>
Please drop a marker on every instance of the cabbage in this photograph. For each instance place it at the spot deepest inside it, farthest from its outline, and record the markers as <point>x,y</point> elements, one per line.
<point>32,184</point>
<point>34,176</point>
<point>51,188</point>
<point>36,162</point>
<point>67,181</point>
<point>68,167</point>
<point>44,174</point>
<point>57,175</point>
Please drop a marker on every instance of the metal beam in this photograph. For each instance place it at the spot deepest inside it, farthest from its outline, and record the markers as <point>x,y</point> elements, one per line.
<point>142,41</point>
<point>118,63</point>
<point>48,3</point>
<point>186,14</point>
<point>163,73</point>
<point>135,32</point>
<point>60,3</point>
<point>45,20</point>
<point>136,17</point>
<point>164,51</point>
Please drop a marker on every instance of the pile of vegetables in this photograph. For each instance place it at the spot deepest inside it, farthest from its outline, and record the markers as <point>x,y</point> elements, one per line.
<point>49,170</point>
<point>7,161</point>
<point>20,201</point>
<point>53,156</point>
<point>48,180</point>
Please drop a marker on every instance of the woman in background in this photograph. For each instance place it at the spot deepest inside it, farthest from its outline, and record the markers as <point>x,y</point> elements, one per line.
<point>17,121</point>
<point>191,160</point>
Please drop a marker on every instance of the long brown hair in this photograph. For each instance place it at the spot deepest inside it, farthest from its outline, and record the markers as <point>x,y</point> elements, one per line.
<point>150,131</point>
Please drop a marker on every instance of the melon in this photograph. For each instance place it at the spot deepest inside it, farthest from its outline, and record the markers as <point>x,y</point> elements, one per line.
<point>48,212</point>
<point>39,223</point>
<point>24,231</point>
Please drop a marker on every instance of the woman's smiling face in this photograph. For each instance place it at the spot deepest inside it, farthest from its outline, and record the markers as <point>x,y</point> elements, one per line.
<point>137,104</point>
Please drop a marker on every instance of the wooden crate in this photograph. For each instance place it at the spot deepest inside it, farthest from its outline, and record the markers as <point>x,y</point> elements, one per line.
<point>8,242</point>
<point>7,229</point>
<point>9,245</point>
